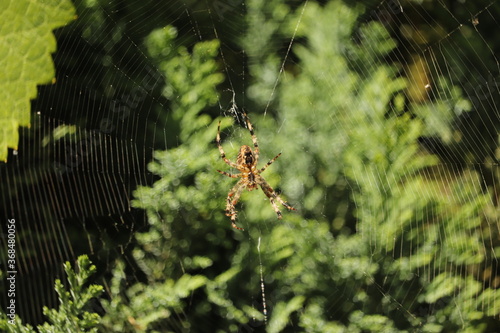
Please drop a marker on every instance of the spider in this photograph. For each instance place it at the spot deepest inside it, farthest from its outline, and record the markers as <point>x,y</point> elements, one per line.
<point>250,178</point>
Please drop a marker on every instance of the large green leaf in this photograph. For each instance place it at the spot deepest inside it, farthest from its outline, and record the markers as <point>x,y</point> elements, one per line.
<point>26,42</point>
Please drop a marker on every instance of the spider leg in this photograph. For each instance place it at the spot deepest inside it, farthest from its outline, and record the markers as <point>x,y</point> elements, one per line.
<point>232,200</point>
<point>229,174</point>
<point>269,163</point>
<point>254,137</point>
<point>222,153</point>
<point>268,190</point>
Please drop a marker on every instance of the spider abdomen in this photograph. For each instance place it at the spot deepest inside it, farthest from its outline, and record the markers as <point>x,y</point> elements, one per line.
<point>246,157</point>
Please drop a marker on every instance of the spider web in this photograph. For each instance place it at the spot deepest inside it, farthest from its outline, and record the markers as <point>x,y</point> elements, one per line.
<point>71,183</point>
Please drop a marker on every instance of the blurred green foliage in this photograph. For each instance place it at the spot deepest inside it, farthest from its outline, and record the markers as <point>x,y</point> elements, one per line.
<point>376,246</point>
<point>387,237</point>
<point>74,313</point>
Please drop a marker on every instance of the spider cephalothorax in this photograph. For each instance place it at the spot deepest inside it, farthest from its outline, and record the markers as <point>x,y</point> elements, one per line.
<point>246,164</point>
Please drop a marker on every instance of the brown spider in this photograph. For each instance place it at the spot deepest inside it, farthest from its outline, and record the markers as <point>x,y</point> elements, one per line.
<point>246,164</point>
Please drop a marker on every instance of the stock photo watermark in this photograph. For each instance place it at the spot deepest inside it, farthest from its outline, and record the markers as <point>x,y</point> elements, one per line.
<point>11,271</point>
